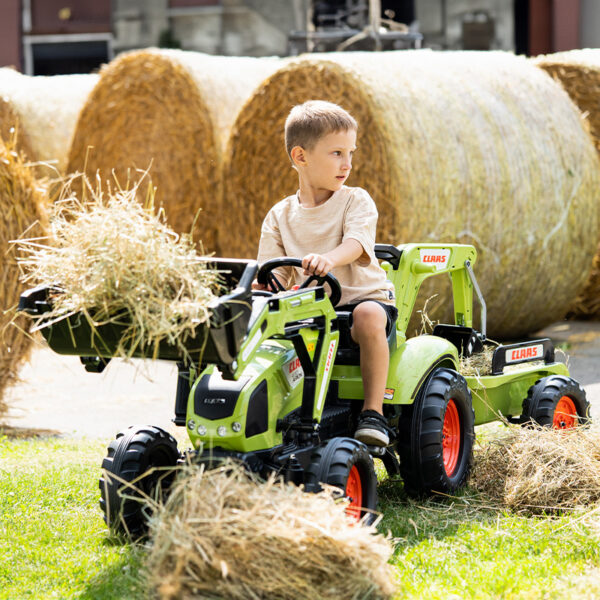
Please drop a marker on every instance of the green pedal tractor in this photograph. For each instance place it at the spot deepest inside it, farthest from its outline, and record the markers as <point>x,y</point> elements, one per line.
<point>274,382</point>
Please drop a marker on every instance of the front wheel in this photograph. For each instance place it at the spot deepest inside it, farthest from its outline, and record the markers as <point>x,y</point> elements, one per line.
<point>436,436</point>
<point>345,463</point>
<point>556,401</point>
<point>138,465</point>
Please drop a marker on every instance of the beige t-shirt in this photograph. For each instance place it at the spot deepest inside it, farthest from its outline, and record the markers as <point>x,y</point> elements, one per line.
<point>289,229</point>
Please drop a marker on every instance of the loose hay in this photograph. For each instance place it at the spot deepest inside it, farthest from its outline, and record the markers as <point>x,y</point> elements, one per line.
<point>23,208</point>
<point>116,261</point>
<point>472,147</point>
<point>47,109</point>
<point>223,535</point>
<point>579,73</point>
<point>540,470</point>
<point>172,110</point>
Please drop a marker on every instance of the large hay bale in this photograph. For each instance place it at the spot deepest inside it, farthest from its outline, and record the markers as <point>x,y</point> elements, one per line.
<point>221,534</point>
<point>172,110</point>
<point>579,73</point>
<point>540,470</point>
<point>479,148</point>
<point>46,109</point>
<point>23,208</point>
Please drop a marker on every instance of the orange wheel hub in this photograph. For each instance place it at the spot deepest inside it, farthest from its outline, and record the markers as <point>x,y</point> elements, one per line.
<point>354,494</point>
<point>451,438</point>
<point>565,414</point>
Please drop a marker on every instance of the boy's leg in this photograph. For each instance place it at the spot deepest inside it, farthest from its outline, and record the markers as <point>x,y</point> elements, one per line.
<point>369,322</point>
<point>369,332</point>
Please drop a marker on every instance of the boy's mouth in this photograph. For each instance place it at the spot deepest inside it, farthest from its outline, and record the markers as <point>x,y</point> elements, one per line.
<point>341,177</point>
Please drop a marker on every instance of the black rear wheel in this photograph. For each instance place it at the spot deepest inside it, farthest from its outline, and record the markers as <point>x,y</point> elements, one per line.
<point>556,401</point>
<point>436,434</point>
<point>138,464</point>
<point>345,463</point>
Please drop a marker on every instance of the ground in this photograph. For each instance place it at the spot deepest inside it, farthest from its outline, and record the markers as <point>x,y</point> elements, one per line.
<point>56,393</point>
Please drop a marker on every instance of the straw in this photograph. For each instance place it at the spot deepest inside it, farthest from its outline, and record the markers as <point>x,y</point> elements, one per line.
<point>536,470</point>
<point>23,202</point>
<point>222,534</point>
<point>116,261</point>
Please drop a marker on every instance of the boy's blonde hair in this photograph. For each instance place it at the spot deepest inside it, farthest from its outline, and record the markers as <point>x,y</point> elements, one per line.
<point>307,123</point>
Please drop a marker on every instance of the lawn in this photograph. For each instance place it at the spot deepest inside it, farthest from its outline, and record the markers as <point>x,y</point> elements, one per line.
<point>55,544</point>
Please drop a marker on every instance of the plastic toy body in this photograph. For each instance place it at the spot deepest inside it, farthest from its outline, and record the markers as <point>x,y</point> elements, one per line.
<point>274,381</point>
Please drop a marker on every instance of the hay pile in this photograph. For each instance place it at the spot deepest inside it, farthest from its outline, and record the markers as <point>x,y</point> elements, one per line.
<point>171,109</point>
<point>540,470</point>
<point>579,73</point>
<point>222,535</point>
<point>47,109</point>
<point>23,209</point>
<point>116,261</point>
<point>473,147</point>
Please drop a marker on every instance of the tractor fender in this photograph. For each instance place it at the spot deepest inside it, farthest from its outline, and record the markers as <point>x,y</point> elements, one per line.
<point>411,364</point>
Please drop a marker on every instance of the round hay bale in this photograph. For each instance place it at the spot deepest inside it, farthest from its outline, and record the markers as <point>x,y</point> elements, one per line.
<point>11,130</point>
<point>579,73</point>
<point>540,470</point>
<point>222,534</point>
<point>23,202</point>
<point>47,109</point>
<point>470,147</point>
<point>172,110</point>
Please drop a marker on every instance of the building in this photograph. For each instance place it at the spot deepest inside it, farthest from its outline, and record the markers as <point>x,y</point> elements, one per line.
<point>45,37</point>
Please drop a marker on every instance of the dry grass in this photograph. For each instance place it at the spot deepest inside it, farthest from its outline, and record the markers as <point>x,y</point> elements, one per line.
<point>168,111</point>
<point>536,470</point>
<point>470,147</point>
<point>222,534</point>
<point>23,202</point>
<point>116,261</point>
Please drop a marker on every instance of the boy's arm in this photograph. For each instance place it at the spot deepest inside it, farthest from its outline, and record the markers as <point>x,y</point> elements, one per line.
<point>358,241</point>
<point>320,264</point>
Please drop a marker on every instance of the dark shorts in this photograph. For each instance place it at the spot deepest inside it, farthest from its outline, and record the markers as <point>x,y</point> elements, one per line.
<point>390,310</point>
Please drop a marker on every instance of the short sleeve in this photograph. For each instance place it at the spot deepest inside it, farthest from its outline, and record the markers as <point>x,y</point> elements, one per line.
<point>271,246</point>
<point>360,224</point>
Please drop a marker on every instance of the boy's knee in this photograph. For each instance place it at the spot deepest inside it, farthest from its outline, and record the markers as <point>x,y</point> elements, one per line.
<point>368,318</point>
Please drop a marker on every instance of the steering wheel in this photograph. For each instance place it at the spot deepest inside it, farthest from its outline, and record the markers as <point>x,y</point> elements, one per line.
<point>265,276</point>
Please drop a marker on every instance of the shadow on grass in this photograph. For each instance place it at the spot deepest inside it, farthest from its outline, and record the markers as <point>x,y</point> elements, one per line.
<point>123,580</point>
<point>410,521</point>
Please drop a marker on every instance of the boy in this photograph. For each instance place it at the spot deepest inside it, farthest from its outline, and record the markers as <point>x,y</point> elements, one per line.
<point>332,227</point>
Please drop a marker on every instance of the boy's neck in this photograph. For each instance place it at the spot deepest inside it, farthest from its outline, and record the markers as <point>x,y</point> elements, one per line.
<point>310,197</point>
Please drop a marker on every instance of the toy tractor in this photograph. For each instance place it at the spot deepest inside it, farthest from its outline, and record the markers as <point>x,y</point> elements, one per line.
<point>274,382</point>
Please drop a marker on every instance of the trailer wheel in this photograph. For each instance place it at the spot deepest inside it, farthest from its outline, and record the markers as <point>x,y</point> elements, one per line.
<point>436,434</point>
<point>556,401</point>
<point>141,455</point>
<point>345,463</point>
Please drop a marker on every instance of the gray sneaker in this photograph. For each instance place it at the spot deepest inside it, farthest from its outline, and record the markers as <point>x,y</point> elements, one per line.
<point>372,429</point>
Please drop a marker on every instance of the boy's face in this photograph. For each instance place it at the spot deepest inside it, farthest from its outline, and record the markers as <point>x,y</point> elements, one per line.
<point>327,165</point>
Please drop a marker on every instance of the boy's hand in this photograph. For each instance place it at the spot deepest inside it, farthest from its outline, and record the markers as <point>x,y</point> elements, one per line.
<point>317,264</point>
<point>258,286</point>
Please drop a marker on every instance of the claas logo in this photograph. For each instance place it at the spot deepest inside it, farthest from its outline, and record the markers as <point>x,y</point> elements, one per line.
<point>437,258</point>
<point>524,353</point>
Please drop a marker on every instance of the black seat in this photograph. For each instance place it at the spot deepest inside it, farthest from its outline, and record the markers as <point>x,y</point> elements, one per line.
<point>348,352</point>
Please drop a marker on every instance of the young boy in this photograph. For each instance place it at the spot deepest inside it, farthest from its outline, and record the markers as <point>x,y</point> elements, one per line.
<point>332,227</point>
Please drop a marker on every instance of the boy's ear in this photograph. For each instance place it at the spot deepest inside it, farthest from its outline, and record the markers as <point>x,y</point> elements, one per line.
<point>298,155</point>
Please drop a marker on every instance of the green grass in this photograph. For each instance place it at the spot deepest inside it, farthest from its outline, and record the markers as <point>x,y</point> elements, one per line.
<point>54,544</point>
<point>54,541</point>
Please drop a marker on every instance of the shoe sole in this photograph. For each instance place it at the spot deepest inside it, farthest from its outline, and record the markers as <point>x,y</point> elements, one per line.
<point>372,437</point>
